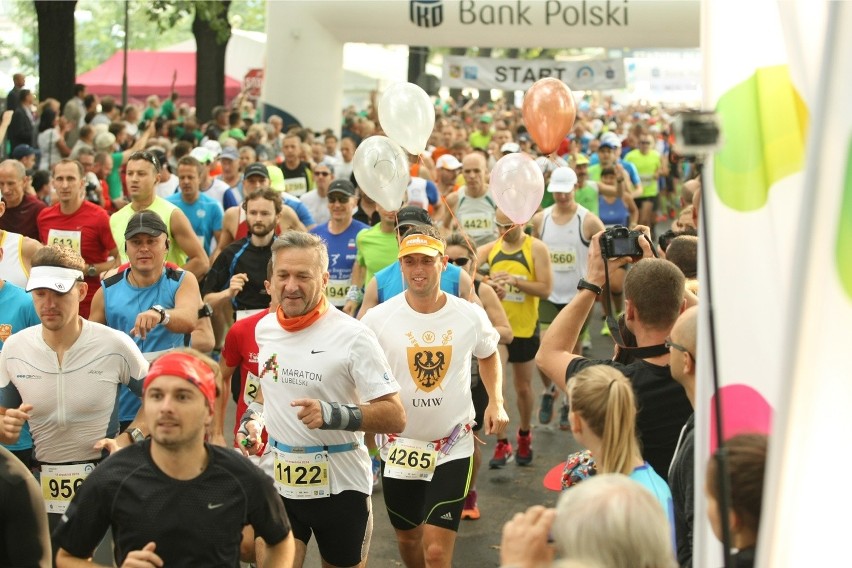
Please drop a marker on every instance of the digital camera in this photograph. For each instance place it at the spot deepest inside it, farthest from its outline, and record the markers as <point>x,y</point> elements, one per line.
<point>619,241</point>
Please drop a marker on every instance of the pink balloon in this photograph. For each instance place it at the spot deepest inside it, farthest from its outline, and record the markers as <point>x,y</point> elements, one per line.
<point>517,185</point>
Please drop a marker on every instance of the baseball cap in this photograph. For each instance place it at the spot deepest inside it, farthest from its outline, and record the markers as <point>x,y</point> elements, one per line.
<point>145,222</point>
<point>581,160</point>
<point>448,162</point>
<point>610,140</point>
<point>184,366</point>
<point>486,118</point>
<point>229,153</point>
<point>22,151</point>
<point>276,178</point>
<point>256,169</point>
<point>510,148</point>
<point>56,278</point>
<point>201,154</point>
<point>562,180</point>
<point>341,186</point>
<point>104,141</point>
<point>420,244</point>
<point>213,147</point>
<point>412,215</point>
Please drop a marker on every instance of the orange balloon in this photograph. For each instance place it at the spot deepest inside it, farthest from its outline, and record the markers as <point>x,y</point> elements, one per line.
<point>549,113</point>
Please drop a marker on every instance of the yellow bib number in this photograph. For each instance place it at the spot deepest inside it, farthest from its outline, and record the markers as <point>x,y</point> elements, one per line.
<point>252,386</point>
<point>59,484</point>
<point>476,223</point>
<point>301,476</point>
<point>70,239</point>
<point>336,291</point>
<point>411,459</point>
<point>563,260</point>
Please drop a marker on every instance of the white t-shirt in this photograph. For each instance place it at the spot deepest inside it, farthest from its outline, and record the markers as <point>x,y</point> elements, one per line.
<point>318,206</point>
<point>217,191</point>
<point>168,187</point>
<point>74,404</point>
<point>336,359</point>
<point>430,357</point>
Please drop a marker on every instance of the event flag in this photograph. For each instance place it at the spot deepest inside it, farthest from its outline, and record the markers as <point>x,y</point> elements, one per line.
<point>753,188</point>
<point>798,527</point>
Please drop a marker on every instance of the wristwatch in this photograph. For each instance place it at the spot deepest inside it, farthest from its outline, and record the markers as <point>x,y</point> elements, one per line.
<point>164,315</point>
<point>585,285</point>
<point>91,271</point>
<point>206,311</point>
<point>135,434</point>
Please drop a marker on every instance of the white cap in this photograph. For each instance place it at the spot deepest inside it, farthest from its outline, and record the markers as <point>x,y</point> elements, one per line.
<point>448,162</point>
<point>203,155</point>
<point>57,278</point>
<point>510,148</point>
<point>214,147</point>
<point>562,180</point>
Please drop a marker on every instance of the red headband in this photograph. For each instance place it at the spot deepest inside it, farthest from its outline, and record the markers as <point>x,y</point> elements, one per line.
<point>187,367</point>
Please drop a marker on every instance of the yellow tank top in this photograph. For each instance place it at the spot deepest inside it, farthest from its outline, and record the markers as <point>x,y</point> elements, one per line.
<point>118,223</point>
<point>521,308</point>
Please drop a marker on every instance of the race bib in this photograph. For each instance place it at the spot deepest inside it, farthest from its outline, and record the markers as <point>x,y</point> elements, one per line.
<point>70,239</point>
<point>477,224</point>
<point>59,484</point>
<point>301,476</point>
<point>252,386</point>
<point>336,292</point>
<point>411,459</point>
<point>296,186</point>
<point>514,294</point>
<point>563,260</point>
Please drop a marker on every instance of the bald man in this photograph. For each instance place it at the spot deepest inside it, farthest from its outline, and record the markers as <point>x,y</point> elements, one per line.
<point>683,345</point>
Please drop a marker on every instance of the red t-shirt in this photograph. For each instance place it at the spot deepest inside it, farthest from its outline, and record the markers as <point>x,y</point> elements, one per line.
<point>86,230</point>
<point>240,349</point>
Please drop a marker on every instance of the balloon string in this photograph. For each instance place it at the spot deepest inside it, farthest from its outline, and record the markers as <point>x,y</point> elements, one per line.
<point>470,244</point>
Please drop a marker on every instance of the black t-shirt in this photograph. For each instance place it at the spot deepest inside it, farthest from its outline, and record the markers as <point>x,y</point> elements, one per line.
<point>194,523</point>
<point>682,484</point>
<point>663,407</point>
<point>252,261</point>
<point>24,537</point>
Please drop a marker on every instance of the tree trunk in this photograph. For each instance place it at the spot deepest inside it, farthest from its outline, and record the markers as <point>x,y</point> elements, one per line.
<point>209,64</point>
<point>57,69</point>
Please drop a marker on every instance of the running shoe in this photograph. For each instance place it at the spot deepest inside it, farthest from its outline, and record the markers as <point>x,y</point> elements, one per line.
<point>586,338</point>
<point>471,510</point>
<point>525,453</point>
<point>545,413</point>
<point>503,454</point>
<point>564,424</point>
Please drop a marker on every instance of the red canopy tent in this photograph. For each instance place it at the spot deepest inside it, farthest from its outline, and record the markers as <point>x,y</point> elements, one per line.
<point>150,73</point>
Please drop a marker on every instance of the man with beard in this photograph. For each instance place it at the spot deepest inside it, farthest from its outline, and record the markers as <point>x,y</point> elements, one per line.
<point>239,271</point>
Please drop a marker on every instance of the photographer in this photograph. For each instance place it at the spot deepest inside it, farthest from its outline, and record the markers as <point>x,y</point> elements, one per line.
<point>654,294</point>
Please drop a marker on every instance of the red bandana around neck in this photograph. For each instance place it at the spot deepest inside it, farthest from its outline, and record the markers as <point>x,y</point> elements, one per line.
<point>301,322</point>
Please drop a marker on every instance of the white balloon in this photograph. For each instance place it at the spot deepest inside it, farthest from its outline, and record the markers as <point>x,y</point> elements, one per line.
<point>407,116</point>
<point>381,170</point>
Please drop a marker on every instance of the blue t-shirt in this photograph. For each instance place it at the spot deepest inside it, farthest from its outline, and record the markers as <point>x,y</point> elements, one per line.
<point>205,216</point>
<point>301,210</point>
<point>389,281</point>
<point>234,197</point>
<point>341,249</point>
<point>122,303</point>
<point>17,313</point>
<point>650,480</point>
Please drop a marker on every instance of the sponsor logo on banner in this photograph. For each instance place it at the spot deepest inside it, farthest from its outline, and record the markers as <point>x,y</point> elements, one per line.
<point>426,13</point>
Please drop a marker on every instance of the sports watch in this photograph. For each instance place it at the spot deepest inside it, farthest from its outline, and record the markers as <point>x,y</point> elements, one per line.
<point>205,311</point>
<point>91,271</point>
<point>164,315</point>
<point>136,435</point>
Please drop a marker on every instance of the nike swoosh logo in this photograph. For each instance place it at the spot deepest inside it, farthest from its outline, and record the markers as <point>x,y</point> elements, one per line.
<point>212,506</point>
<point>314,352</point>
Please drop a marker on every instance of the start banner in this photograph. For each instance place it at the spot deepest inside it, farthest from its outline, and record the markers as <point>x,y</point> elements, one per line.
<point>520,74</point>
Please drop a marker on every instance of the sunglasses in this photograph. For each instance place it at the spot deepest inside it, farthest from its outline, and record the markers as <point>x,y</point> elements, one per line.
<point>672,345</point>
<point>322,174</point>
<point>504,225</point>
<point>460,261</point>
<point>146,156</point>
<point>338,199</point>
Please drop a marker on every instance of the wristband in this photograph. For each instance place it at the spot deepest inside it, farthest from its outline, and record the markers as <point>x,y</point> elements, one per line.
<point>355,294</point>
<point>585,285</point>
<point>253,412</point>
<point>336,416</point>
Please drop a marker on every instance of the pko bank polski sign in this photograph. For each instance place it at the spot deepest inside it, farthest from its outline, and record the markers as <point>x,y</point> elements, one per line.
<point>430,13</point>
<point>504,23</point>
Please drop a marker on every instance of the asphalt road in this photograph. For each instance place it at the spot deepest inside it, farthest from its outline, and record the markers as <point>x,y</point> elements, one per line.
<point>502,492</point>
